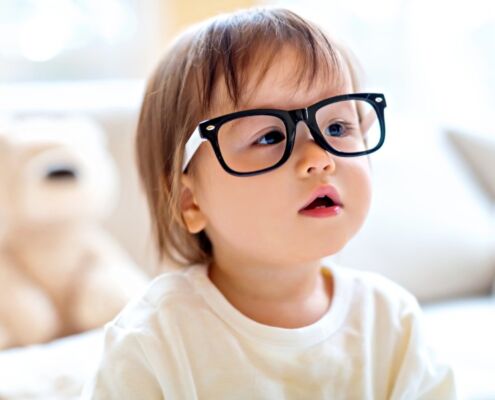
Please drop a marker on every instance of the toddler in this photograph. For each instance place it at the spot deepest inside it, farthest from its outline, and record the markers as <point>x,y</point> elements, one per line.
<point>252,146</point>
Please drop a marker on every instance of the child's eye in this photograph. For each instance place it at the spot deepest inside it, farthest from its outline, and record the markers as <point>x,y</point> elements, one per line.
<point>338,129</point>
<point>272,137</point>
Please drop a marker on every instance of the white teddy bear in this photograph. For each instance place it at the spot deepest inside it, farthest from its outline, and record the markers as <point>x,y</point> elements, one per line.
<point>60,271</point>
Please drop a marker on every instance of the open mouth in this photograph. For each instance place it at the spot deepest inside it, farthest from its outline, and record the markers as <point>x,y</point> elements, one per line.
<point>325,202</point>
<point>320,202</point>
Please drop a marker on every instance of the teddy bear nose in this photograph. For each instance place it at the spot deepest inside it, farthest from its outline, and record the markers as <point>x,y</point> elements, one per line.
<point>61,173</point>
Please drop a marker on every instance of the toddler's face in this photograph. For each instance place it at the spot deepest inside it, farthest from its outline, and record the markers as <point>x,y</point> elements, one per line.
<point>256,219</point>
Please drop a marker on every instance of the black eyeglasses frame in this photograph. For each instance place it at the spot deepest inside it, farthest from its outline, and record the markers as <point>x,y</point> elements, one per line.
<point>208,129</point>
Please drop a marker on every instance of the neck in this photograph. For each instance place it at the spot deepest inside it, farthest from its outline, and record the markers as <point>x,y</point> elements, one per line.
<point>289,297</point>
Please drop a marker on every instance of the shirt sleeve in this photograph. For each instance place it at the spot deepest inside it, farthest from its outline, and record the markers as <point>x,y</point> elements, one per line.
<point>124,372</point>
<point>419,375</point>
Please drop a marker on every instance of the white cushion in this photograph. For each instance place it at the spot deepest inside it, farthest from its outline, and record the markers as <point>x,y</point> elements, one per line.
<point>431,227</point>
<point>461,333</point>
<point>55,370</point>
<point>479,154</point>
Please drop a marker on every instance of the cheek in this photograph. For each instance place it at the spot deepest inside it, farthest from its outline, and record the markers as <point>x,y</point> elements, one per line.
<point>237,217</point>
<point>231,202</point>
<point>357,178</point>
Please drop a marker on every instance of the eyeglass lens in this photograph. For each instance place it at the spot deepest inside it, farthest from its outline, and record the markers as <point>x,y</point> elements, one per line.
<point>256,142</point>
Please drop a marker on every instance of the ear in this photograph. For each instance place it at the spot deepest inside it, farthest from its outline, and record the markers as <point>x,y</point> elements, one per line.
<point>193,217</point>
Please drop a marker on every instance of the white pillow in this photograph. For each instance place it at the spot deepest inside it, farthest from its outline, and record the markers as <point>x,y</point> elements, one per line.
<point>431,227</point>
<point>479,153</point>
<point>54,370</point>
<point>461,332</point>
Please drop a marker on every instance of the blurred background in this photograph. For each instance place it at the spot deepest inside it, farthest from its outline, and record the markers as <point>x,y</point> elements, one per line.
<point>423,54</point>
<point>431,227</point>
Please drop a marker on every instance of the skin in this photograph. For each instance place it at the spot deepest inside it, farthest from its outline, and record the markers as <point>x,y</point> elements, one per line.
<point>267,256</point>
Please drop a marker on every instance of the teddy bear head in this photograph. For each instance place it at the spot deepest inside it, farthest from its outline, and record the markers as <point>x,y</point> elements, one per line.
<point>54,170</point>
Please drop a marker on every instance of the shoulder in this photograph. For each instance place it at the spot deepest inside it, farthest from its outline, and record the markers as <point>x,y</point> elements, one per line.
<point>376,290</point>
<point>158,298</point>
<point>137,342</point>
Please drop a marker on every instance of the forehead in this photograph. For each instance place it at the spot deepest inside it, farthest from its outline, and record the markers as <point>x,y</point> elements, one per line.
<point>284,85</point>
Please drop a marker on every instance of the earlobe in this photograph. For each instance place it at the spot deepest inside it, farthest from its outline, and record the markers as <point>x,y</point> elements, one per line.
<point>192,215</point>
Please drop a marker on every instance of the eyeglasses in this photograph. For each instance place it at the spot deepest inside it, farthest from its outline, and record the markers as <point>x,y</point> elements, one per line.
<point>256,141</point>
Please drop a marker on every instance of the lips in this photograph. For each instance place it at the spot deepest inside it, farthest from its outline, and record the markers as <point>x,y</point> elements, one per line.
<point>324,196</point>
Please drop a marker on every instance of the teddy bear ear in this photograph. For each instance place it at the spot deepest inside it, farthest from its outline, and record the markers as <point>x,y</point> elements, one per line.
<point>4,131</point>
<point>3,140</point>
<point>56,128</point>
<point>93,130</point>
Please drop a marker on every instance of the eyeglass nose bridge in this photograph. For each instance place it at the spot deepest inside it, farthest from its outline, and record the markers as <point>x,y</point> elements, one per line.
<point>302,114</point>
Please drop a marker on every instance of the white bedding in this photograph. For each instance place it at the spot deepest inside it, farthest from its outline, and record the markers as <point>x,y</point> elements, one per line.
<point>55,370</point>
<point>462,333</point>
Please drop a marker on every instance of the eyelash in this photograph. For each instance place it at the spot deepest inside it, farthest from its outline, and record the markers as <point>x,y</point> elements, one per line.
<point>268,133</point>
<point>347,125</point>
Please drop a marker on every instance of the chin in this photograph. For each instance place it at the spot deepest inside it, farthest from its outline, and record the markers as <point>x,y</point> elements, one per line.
<point>334,249</point>
<point>316,251</point>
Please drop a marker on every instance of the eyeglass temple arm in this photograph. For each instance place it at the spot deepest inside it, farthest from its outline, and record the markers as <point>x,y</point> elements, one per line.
<point>192,146</point>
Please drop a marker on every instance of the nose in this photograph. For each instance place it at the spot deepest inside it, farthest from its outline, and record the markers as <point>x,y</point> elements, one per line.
<point>311,159</point>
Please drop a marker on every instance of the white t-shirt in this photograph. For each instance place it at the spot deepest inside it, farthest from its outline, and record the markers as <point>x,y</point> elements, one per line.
<point>183,340</point>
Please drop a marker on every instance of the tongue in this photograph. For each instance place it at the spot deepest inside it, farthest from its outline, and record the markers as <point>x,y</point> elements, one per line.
<point>320,202</point>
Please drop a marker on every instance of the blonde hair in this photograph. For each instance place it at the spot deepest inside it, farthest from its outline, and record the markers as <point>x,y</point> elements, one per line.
<point>179,95</point>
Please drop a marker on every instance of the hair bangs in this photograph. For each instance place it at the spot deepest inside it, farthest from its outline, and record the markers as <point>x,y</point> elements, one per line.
<point>241,48</point>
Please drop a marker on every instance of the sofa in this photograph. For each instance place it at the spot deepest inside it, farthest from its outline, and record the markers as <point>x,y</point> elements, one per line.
<point>431,228</point>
